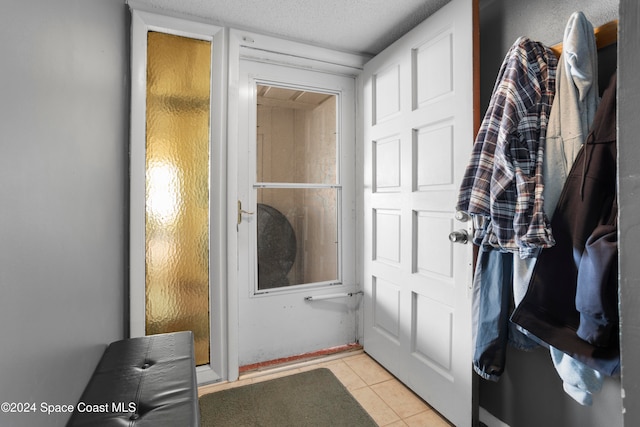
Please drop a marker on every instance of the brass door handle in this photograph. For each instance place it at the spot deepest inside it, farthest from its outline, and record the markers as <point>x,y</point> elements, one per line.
<point>241,212</point>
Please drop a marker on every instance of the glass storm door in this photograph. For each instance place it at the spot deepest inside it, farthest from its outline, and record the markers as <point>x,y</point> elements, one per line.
<point>293,223</point>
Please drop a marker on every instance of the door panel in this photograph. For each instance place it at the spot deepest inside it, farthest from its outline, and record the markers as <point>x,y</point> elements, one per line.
<point>418,131</point>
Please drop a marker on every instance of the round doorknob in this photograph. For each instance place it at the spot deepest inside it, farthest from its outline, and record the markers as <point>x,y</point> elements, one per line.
<point>462,216</point>
<point>459,236</point>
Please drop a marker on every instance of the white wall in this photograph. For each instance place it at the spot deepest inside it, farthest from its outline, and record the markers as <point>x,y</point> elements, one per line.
<point>63,196</point>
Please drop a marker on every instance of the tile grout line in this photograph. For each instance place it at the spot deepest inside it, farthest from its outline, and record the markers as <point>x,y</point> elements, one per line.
<point>393,379</point>
<point>368,386</point>
<point>387,403</point>
<point>427,409</point>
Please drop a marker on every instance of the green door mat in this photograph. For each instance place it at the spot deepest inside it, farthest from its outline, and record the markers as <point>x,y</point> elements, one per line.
<point>313,398</point>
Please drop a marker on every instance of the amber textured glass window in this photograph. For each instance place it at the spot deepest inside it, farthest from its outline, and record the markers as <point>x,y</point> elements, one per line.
<point>177,187</point>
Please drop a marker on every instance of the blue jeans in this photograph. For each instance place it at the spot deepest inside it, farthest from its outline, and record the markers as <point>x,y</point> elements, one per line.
<point>492,305</point>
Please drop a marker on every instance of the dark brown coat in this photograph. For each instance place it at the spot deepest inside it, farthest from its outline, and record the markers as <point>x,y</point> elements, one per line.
<point>587,204</point>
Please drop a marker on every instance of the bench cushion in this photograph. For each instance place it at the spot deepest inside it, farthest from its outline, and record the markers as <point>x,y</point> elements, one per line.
<point>144,381</point>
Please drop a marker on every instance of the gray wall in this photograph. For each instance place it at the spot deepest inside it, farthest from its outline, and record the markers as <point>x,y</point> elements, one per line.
<point>629,184</point>
<point>530,392</point>
<point>503,21</point>
<point>63,191</point>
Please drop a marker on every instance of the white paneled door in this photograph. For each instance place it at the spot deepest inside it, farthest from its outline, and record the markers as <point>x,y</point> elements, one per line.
<point>418,133</point>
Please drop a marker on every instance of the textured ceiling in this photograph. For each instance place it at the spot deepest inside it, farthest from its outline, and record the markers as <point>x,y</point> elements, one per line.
<point>357,26</point>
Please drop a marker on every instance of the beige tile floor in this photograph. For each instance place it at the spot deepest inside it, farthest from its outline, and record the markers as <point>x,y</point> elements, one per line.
<point>385,398</point>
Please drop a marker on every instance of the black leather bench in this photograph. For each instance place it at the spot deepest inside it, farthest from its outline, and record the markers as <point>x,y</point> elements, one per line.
<point>145,381</point>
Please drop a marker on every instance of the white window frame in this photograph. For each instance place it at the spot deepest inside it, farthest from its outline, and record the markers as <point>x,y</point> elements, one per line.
<point>336,185</point>
<point>143,21</point>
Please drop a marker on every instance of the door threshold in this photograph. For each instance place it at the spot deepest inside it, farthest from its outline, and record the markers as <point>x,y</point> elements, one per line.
<point>300,358</point>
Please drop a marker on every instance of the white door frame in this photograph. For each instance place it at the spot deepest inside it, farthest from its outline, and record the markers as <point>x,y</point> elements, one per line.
<point>257,47</point>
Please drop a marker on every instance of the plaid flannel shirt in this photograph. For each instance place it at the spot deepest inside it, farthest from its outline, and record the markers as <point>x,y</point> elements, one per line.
<point>503,181</point>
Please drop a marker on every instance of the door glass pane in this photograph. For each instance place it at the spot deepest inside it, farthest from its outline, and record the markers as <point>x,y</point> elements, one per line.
<point>296,136</point>
<point>297,236</point>
<point>177,188</point>
<point>296,168</point>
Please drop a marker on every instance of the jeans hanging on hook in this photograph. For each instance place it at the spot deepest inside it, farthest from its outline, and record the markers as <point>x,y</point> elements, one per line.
<point>492,305</point>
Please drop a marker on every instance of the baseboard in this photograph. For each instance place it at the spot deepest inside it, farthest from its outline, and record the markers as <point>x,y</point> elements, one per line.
<point>489,420</point>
